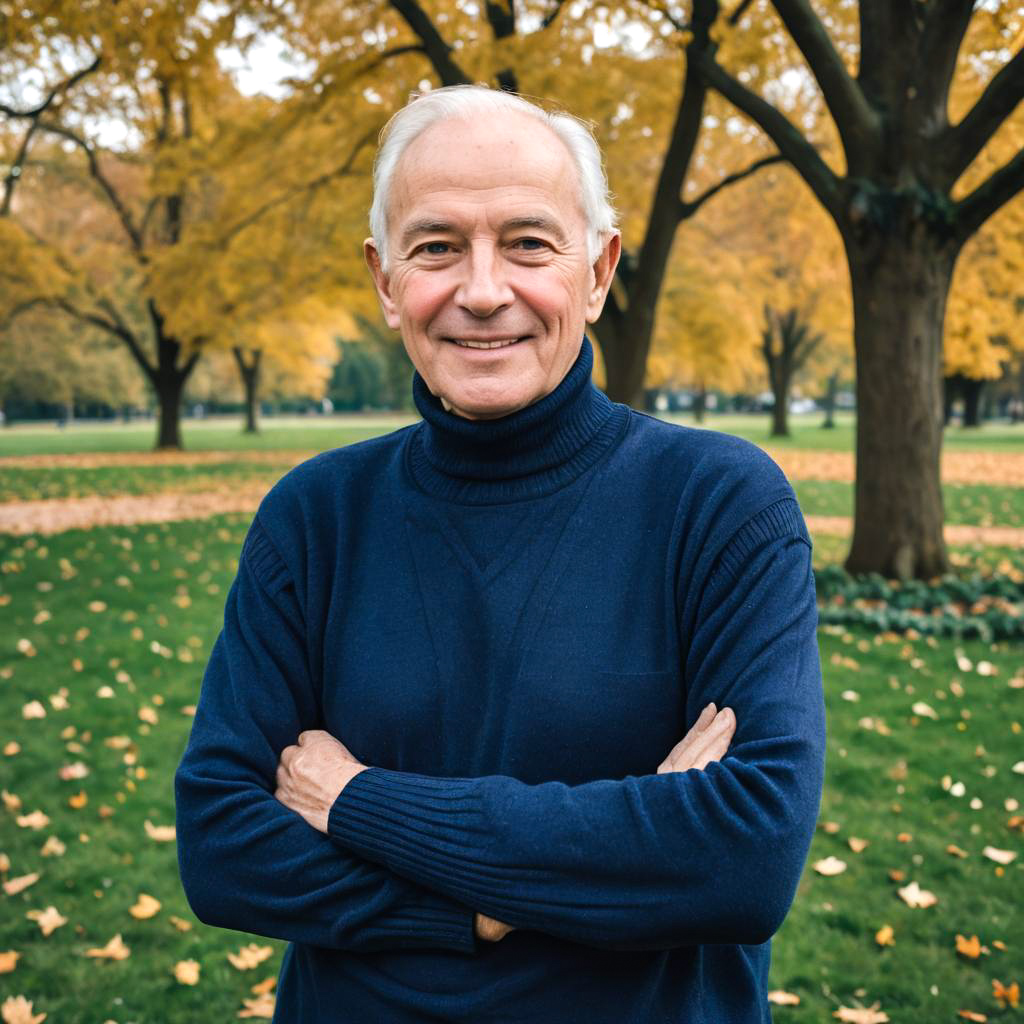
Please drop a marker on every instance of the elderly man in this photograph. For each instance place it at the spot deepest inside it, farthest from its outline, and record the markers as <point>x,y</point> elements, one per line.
<point>438,745</point>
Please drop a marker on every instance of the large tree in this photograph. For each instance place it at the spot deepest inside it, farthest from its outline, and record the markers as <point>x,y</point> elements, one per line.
<point>902,221</point>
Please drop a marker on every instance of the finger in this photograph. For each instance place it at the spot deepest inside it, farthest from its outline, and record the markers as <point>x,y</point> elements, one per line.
<point>709,718</point>
<point>692,749</point>
<point>713,753</point>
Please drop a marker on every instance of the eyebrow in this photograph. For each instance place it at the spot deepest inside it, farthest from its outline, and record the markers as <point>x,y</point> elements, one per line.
<point>428,226</point>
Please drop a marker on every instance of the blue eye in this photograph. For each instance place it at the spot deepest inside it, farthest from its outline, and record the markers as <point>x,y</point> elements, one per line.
<point>530,244</point>
<point>436,248</point>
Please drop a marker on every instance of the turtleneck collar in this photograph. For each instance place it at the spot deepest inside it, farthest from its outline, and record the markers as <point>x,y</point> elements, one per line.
<point>526,454</point>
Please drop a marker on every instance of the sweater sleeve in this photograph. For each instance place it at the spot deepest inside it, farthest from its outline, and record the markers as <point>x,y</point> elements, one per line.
<point>653,861</point>
<point>248,862</point>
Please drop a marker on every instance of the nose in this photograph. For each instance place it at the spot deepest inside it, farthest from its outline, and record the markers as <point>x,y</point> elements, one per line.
<point>484,289</point>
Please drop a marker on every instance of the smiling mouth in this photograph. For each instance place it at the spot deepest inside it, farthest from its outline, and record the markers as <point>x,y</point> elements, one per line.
<point>499,343</point>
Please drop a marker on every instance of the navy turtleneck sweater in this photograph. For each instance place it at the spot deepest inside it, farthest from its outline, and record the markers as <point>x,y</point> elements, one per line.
<point>512,622</point>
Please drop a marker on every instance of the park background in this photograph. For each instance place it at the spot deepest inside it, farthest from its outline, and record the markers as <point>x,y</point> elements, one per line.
<point>821,212</point>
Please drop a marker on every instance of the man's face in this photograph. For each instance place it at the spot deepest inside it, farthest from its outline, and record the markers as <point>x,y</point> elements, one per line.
<point>487,243</point>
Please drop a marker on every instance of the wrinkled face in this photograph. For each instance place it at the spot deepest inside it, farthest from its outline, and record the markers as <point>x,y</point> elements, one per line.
<point>489,282</point>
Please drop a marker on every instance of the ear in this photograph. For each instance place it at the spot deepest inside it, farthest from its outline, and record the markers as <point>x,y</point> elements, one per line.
<point>604,273</point>
<point>382,284</point>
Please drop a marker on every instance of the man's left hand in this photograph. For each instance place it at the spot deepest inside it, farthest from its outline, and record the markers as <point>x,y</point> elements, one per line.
<point>311,775</point>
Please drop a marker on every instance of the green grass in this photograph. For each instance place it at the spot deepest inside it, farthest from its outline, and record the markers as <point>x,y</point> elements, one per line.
<point>967,504</point>
<point>18,484</point>
<point>318,434</point>
<point>162,590</point>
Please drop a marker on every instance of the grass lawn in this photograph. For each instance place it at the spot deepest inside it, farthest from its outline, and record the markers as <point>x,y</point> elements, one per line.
<point>315,433</point>
<point>109,630</point>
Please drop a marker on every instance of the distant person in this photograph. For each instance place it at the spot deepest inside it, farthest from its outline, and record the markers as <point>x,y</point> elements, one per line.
<point>437,746</point>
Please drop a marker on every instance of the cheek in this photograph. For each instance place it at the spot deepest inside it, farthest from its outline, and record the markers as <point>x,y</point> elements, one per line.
<point>422,298</point>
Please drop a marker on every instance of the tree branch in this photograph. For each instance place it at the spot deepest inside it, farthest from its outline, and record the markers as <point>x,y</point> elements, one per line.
<point>963,142</point>
<point>998,189</point>
<point>687,208</point>
<point>792,144</point>
<point>437,50</point>
<point>94,169</point>
<point>552,15</point>
<point>859,125</point>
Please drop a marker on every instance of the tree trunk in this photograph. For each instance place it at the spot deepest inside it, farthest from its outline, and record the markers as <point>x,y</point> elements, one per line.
<point>169,389</point>
<point>700,404</point>
<point>950,387</point>
<point>972,390</point>
<point>830,401</point>
<point>780,414</point>
<point>250,373</point>
<point>900,286</point>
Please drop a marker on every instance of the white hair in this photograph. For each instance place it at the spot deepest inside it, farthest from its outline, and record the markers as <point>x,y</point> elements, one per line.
<point>460,102</point>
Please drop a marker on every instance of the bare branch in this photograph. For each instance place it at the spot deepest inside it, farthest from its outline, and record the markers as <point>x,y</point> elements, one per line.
<point>998,189</point>
<point>792,144</point>
<point>94,169</point>
<point>58,90</point>
<point>687,208</point>
<point>858,124</point>
<point>438,51</point>
<point>552,15</point>
<point>741,9</point>
<point>964,141</point>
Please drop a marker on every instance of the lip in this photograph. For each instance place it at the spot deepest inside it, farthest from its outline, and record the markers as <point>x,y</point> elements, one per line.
<point>506,341</point>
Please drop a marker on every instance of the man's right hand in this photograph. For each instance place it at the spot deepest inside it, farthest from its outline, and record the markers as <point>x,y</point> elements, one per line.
<point>707,741</point>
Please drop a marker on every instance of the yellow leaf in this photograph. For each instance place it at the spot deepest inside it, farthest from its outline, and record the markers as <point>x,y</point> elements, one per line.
<point>18,1010</point>
<point>266,985</point>
<point>914,896</point>
<point>830,866</point>
<point>12,802</point>
<point>857,845</point>
<point>884,935</point>
<point>1007,995</point>
<point>115,949</point>
<point>181,924</point>
<point>187,972</point>
<point>19,884</point>
<point>148,714</point>
<point>160,833</point>
<point>49,920</point>
<point>861,1015</point>
<point>36,820</point>
<point>146,907</point>
<point>250,956</point>
<point>8,961</point>
<point>968,947</point>
<point>53,847</point>
<point>33,709</point>
<point>780,998</point>
<point>954,851</point>
<point>78,800</point>
<point>262,1006</point>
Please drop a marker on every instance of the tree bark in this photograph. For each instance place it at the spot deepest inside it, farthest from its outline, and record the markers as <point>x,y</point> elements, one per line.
<point>700,405</point>
<point>830,401</point>
<point>900,287</point>
<point>972,391</point>
<point>250,373</point>
<point>169,389</point>
<point>780,413</point>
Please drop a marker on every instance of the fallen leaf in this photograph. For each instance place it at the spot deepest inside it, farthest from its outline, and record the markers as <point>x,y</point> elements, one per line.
<point>857,845</point>
<point>979,1018</point>
<point>18,1010</point>
<point>53,847</point>
<point>160,833</point>
<point>12,802</point>
<point>914,896</point>
<point>924,710</point>
<point>250,956</point>
<point>49,920</point>
<point>33,709</point>
<point>885,936</point>
<point>19,884</point>
<point>1007,995</point>
<point>955,851</point>
<point>181,924</point>
<point>780,998</point>
<point>187,972</point>
<point>999,856</point>
<point>970,948</point>
<point>146,907</point>
<point>262,1006</point>
<point>8,961</point>
<point>78,800</point>
<point>861,1015</point>
<point>75,770</point>
<point>829,866</point>
<point>266,985</point>
<point>115,949</point>
<point>36,820</point>
<point>14,747</point>
<point>148,714</point>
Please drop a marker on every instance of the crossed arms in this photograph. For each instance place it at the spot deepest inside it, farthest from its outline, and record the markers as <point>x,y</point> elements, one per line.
<point>409,861</point>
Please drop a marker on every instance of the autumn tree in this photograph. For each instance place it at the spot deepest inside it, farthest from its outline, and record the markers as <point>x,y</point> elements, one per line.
<point>887,83</point>
<point>199,166</point>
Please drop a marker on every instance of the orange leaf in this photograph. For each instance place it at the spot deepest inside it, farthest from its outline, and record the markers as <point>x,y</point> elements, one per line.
<point>968,947</point>
<point>8,961</point>
<point>979,1018</point>
<point>18,1010</point>
<point>857,845</point>
<point>22,882</point>
<point>780,998</point>
<point>115,949</point>
<point>262,1006</point>
<point>884,935</point>
<point>187,972</point>
<point>49,920</point>
<point>861,1015</point>
<point>1007,995</point>
<point>160,833</point>
<point>250,956</point>
<point>146,907</point>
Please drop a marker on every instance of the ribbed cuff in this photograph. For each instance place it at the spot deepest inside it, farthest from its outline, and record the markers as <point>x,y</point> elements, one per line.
<point>411,824</point>
<point>431,921</point>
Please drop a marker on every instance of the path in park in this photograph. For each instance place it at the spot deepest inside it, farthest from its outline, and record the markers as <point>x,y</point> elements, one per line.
<point>59,514</point>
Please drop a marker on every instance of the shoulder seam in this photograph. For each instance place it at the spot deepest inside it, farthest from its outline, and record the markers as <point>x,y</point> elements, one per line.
<point>778,520</point>
<point>264,559</point>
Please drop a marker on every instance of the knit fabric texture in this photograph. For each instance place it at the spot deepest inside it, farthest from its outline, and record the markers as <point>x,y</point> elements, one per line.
<point>512,622</point>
